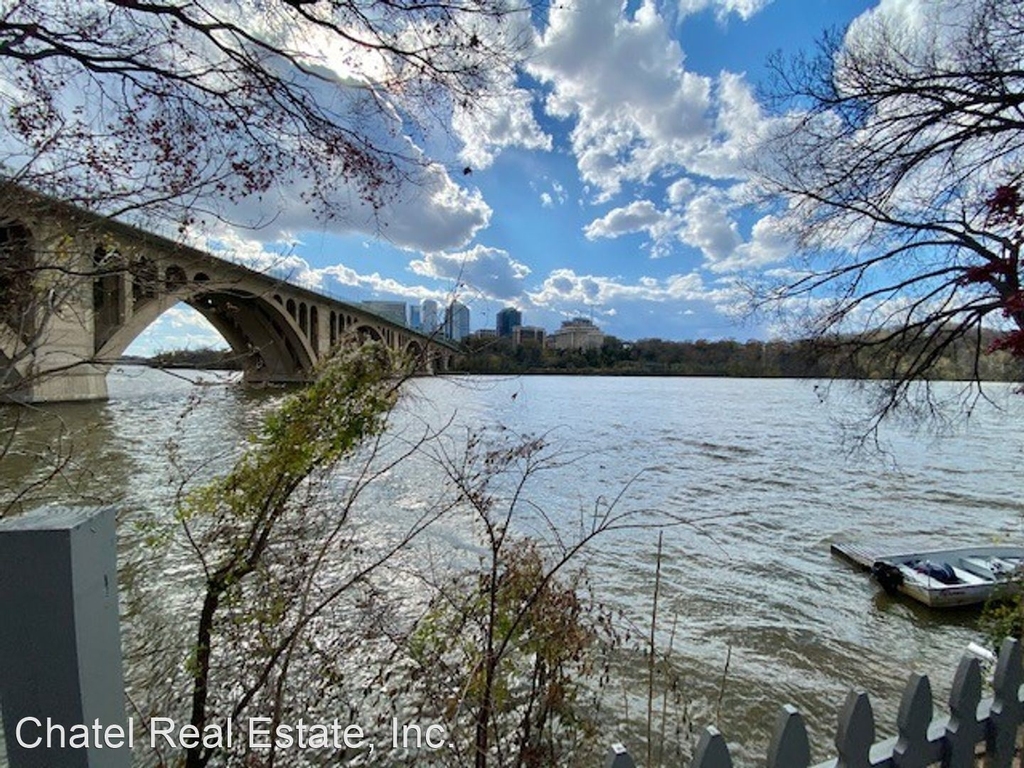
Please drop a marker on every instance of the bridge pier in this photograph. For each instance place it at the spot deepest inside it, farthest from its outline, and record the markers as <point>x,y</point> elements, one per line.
<point>60,363</point>
<point>81,383</point>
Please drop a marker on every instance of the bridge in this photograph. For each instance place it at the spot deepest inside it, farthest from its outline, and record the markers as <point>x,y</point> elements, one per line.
<point>77,288</point>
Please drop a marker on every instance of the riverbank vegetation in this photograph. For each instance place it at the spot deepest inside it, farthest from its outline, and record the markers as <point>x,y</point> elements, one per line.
<point>849,357</point>
<point>201,358</point>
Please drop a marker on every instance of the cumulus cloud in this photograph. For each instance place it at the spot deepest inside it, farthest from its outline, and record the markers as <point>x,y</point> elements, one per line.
<point>644,307</point>
<point>277,259</point>
<point>427,210</point>
<point>491,271</point>
<point>438,215</point>
<point>565,287</point>
<point>281,262</point>
<point>742,8</point>
<point>638,112</point>
<point>680,191</point>
<point>637,109</point>
<point>506,120</point>
<point>638,216</point>
<point>739,125</point>
<point>770,242</point>
<point>709,227</point>
<point>926,28</point>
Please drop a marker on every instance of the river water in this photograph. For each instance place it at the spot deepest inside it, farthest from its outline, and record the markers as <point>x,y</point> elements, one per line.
<point>759,477</point>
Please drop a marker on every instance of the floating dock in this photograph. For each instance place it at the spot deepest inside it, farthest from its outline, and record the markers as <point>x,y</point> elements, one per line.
<point>856,554</point>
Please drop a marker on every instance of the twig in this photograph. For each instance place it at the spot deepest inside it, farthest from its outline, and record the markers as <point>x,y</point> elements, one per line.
<point>650,655</point>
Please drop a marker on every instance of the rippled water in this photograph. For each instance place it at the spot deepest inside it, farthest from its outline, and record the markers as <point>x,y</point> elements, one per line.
<point>762,478</point>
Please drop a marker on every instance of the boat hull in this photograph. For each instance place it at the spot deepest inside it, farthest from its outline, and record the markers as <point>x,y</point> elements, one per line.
<point>948,578</point>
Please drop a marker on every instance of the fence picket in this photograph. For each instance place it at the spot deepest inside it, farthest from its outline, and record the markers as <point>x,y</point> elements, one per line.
<point>1006,714</point>
<point>963,730</point>
<point>790,747</point>
<point>856,732</point>
<point>953,739</point>
<point>915,715</point>
<point>712,751</point>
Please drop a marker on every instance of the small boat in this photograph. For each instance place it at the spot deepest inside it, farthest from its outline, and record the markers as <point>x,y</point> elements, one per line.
<point>944,578</point>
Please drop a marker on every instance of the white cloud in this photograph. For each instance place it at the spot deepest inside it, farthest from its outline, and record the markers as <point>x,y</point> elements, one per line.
<point>437,215</point>
<point>277,259</point>
<point>638,112</point>
<point>709,227</point>
<point>739,125</point>
<point>648,306</point>
<point>925,28</point>
<point>637,109</point>
<point>742,8</point>
<point>557,196</point>
<point>638,216</point>
<point>283,263</point>
<point>565,287</point>
<point>504,120</point>
<point>429,211</point>
<point>491,271</point>
<point>770,242</point>
<point>680,191</point>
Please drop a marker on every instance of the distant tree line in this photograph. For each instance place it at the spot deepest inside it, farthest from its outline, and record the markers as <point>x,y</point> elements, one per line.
<point>203,358</point>
<point>853,357</point>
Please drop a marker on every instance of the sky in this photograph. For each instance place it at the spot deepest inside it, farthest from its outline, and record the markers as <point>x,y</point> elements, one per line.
<point>609,182</point>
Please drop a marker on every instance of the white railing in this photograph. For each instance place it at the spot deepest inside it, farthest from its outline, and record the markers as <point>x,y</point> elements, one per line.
<point>950,741</point>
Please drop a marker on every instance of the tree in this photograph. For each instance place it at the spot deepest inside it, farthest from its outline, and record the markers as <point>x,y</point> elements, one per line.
<point>899,163</point>
<point>279,590</point>
<point>165,113</point>
<point>504,649</point>
<point>167,108</point>
<point>274,580</point>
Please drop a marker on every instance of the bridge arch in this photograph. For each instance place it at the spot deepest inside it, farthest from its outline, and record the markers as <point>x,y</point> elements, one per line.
<point>17,262</point>
<point>367,333</point>
<point>145,280</point>
<point>258,330</point>
<point>175,278</point>
<point>107,293</point>
<point>416,353</point>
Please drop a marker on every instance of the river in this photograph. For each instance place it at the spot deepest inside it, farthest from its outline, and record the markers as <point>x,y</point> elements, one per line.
<point>760,476</point>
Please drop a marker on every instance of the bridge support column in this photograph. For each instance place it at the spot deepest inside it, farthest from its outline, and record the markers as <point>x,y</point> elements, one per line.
<point>80,382</point>
<point>61,366</point>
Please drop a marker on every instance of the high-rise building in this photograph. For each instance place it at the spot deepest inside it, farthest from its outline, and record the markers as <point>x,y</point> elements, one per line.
<point>428,316</point>
<point>508,319</point>
<point>415,318</point>
<point>456,321</point>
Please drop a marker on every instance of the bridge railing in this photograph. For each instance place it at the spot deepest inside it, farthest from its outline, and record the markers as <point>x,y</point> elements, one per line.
<point>951,740</point>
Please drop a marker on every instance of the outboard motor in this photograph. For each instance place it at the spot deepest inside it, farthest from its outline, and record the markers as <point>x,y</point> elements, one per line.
<point>887,575</point>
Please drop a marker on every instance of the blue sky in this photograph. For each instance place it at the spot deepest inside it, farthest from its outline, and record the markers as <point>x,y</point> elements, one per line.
<point>608,181</point>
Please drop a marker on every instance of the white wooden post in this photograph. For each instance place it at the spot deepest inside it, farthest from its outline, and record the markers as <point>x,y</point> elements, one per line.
<point>60,643</point>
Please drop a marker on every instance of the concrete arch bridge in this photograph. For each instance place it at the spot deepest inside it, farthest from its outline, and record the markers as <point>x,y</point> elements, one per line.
<point>76,289</point>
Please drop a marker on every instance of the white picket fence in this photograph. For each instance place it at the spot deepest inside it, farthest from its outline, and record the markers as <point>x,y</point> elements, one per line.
<point>949,741</point>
